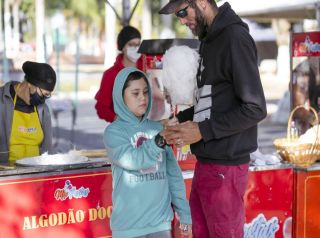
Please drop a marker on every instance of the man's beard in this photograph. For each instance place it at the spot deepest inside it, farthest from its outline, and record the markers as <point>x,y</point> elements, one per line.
<point>200,29</point>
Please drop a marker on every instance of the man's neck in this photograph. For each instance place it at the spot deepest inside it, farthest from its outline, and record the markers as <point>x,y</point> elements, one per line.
<point>210,15</point>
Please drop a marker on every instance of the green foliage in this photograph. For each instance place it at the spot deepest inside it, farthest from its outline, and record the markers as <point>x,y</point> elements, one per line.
<point>155,7</point>
<point>27,7</point>
<point>53,6</point>
<point>91,13</point>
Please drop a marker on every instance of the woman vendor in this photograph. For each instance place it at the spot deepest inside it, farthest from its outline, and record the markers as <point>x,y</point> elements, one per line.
<point>25,121</point>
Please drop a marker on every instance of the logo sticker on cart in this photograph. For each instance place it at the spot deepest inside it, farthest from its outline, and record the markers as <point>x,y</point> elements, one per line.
<point>260,227</point>
<point>70,191</point>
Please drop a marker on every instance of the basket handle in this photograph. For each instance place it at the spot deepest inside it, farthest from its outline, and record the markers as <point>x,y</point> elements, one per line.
<point>290,120</point>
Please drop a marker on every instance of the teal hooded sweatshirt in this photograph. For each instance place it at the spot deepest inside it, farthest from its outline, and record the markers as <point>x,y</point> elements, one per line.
<point>147,181</point>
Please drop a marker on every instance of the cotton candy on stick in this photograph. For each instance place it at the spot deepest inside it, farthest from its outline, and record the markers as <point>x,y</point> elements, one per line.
<point>180,65</point>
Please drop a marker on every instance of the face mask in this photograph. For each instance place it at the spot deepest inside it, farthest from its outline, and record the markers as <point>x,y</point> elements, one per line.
<point>132,54</point>
<point>36,99</point>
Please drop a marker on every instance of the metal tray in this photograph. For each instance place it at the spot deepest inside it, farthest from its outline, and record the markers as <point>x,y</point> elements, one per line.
<point>53,160</point>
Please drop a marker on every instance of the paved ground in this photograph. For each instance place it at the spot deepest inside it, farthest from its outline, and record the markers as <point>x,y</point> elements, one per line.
<point>87,131</point>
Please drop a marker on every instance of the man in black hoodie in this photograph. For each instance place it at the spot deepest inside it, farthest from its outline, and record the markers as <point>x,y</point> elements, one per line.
<point>222,126</point>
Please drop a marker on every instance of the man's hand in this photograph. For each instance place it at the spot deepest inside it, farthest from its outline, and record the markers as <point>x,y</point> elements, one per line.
<point>169,122</point>
<point>185,133</point>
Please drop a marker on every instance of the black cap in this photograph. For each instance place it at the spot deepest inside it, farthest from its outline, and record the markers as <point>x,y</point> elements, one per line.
<point>126,34</point>
<point>171,6</point>
<point>40,74</point>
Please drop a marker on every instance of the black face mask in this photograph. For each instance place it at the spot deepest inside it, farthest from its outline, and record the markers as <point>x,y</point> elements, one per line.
<point>36,99</point>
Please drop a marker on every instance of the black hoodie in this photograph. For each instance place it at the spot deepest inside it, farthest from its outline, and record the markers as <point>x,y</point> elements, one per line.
<point>230,99</point>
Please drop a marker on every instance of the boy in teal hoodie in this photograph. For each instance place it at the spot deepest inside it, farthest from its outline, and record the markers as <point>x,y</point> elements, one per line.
<point>147,181</point>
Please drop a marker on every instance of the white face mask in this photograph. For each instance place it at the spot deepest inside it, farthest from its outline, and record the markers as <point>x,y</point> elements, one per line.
<point>132,54</point>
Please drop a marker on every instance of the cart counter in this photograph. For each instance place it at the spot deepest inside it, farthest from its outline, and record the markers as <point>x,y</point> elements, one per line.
<point>75,201</point>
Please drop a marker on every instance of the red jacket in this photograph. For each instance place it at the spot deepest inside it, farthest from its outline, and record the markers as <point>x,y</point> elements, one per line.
<point>104,104</point>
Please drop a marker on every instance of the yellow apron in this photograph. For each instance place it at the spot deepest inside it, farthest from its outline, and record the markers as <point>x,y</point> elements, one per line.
<point>26,134</point>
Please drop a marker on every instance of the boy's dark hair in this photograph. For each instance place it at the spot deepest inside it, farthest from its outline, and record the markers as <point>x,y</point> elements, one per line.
<point>136,75</point>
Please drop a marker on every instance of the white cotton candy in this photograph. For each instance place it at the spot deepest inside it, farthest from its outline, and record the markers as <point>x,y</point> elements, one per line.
<point>180,64</point>
<point>311,135</point>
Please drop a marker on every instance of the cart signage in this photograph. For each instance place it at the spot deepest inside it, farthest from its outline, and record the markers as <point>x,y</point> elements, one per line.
<point>261,227</point>
<point>306,44</point>
<point>70,191</point>
<point>268,202</point>
<point>77,205</point>
<point>63,218</point>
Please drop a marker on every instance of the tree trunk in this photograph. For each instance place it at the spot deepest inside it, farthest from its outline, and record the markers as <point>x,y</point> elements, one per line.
<point>110,38</point>
<point>39,30</point>
<point>146,20</point>
<point>126,11</point>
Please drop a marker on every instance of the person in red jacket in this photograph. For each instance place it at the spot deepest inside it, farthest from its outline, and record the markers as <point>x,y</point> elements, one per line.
<point>128,42</point>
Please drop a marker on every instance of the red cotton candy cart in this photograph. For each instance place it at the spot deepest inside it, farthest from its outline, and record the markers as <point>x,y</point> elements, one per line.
<point>282,201</point>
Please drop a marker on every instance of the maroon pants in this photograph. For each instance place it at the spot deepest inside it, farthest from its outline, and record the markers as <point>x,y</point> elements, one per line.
<point>216,200</point>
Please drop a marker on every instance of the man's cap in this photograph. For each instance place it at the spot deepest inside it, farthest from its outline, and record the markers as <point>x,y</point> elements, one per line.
<point>40,75</point>
<point>126,34</point>
<point>171,7</point>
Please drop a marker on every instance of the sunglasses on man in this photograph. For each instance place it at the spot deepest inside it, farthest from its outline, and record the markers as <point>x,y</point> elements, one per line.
<point>182,13</point>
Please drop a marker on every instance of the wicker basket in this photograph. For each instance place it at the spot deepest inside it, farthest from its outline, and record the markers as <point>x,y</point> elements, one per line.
<point>296,152</point>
